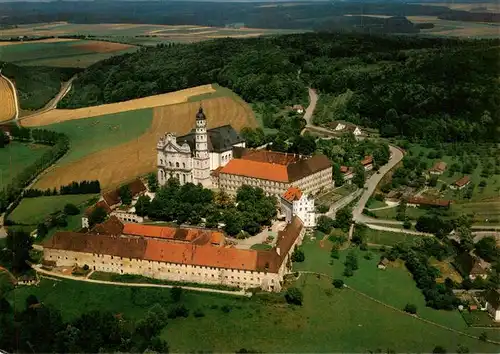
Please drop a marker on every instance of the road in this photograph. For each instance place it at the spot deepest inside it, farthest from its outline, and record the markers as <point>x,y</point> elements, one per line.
<point>313,99</point>
<point>371,184</point>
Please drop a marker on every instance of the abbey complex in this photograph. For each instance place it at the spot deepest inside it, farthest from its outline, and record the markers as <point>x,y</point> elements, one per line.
<point>217,159</point>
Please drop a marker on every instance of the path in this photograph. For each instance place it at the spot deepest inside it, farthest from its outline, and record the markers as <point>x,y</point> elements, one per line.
<point>401,311</point>
<point>16,100</point>
<point>313,99</point>
<point>38,269</point>
<point>393,229</point>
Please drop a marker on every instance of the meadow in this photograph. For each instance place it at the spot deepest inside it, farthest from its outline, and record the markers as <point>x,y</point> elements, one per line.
<point>32,211</point>
<point>387,238</point>
<point>113,160</point>
<point>66,53</point>
<point>15,157</point>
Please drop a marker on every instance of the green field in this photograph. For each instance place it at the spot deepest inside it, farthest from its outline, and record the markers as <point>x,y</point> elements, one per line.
<point>32,211</point>
<point>65,54</point>
<point>99,133</point>
<point>261,246</point>
<point>329,321</point>
<point>386,237</point>
<point>16,156</point>
<point>390,213</point>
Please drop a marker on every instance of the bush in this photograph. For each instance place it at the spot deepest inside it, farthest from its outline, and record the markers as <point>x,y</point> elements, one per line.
<point>321,208</point>
<point>176,294</point>
<point>294,296</point>
<point>410,308</point>
<point>348,272</point>
<point>439,349</point>
<point>226,308</point>
<point>368,256</point>
<point>198,313</point>
<point>338,283</point>
<point>71,209</point>
<point>407,224</point>
<point>298,255</point>
<point>483,336</point>
<point>178,311</point>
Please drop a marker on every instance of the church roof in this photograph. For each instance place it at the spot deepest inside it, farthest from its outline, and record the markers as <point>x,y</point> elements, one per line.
<point>200,115</point>
<point>220,139</point>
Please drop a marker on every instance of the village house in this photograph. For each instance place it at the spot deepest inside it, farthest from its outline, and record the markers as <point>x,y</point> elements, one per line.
<point>346,127</point>
<point>295,203</point>
<point>347,172</point>
<point>160,255</point>
<point>275,172</point>
<point>384,262</point>
<point>298,108</point>
<point>492,298</point>
<point>426,202</point>
<point>461,183</point>
<point>438,168</point>
<point>111,203</point>
<point>471,266</point>
<point>367,163</point>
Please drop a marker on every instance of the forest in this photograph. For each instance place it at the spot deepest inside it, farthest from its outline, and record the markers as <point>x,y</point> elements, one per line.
<point>419,88</point>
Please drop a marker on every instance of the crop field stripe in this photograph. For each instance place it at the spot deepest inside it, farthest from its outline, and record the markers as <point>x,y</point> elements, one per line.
<point>7,101</point>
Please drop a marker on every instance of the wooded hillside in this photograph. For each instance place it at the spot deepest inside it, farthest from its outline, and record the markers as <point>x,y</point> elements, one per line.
<point>441,89</point>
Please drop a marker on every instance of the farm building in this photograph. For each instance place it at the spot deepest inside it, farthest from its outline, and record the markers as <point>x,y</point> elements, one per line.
<point>461,183</point>
<point>176,255</point>
<point>295,203</point>
<point>191,157</point>
<point>346,127</point>
<point>425,202</point>
<point>471,266</point>
<point>275,172</point>
<point>438,168</point>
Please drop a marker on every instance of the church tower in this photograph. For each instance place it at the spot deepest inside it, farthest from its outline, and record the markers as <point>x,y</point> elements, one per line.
<point>201,156</point>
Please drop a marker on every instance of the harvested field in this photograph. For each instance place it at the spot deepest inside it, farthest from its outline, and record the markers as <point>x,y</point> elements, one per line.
<point>63,115</point>
<point>48,40</point>
<point>138,157</point>
<point>102,47</point>
<point>7,101</point>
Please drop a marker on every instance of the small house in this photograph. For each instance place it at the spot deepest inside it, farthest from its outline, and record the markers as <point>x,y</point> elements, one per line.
<point>425,202</point>
<point>470,266</point>
<point>384,262</point>
<point>461,183</point>
<point>367,163</point>
<point>348,172</point>
<point>438,168</point>
<point>298,108</point>
<point>346,127</point>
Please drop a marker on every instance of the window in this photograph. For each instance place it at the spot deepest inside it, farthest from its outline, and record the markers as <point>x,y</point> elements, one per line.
<point>176,164</point>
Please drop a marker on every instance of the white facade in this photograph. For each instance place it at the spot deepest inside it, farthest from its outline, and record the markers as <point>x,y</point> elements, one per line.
<point>303,208</point>
<point>174,160</point>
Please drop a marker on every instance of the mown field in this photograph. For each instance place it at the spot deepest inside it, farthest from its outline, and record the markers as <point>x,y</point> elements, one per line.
<point>32,211</point>
<point>63,53</point>
<point>7,101</point>
<point>16,156</point>
<point>387,238</point>
<point>116,148</point>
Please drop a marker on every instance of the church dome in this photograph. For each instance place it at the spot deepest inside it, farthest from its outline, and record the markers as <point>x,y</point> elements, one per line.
<point>200,115</point>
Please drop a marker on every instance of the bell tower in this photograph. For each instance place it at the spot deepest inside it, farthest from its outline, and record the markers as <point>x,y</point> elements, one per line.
<point>201,156</point>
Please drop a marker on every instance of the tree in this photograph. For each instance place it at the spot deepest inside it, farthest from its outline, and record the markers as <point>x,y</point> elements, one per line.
<point>411,308</point>
<point>4,139</point>
<point>338,177</point>
<point>407,224</point>
<point>401,210</point>
<point>338,283</point>
<point>343,219</point>
<point>19,243</point>
<point>41,230</point>
<point>233,222</point>
<point>97,216</point>
<point>439,349</point>
<point>324,224</point>
<point>482,184</point>
<point>462,349</point>
<point>152,182</point>
<point>298,255</point>
<point>487,249</point>
<point>142,205</point>
<point>71,209</point>
<point>176,294</point>
<point>31,300</point>
<point>359,176</point>
<point>294,296</point>
<point>125,195</point>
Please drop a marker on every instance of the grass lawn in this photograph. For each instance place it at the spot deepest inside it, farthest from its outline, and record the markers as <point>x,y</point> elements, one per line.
<point>15,157</point>
<point>32,211</point>
<point>374,203</point>
<point>330,320</point>
<point>261,246</point>
<point>387,238</point>
<point>99,133</point>
<point>411,213</point>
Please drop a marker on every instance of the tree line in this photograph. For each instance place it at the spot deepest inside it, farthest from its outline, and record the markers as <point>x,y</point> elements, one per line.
<point>83,187</point>
<point>404,86</point>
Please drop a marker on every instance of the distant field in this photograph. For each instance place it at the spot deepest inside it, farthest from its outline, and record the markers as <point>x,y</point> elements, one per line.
<point>68,53</point>
<point>16,156</point>
<point>63,115</point>
<point>139,34</point>
<point>32,211</point>
<point>7,101</point>
<point>123,162</point>
<point>479,6</point>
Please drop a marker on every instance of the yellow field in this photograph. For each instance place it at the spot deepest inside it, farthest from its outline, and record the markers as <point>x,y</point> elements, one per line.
<point>492,7</point>
<point>7,101</point>
<point>48,40</point>
<point>62,115</point>
<point>124,162</point>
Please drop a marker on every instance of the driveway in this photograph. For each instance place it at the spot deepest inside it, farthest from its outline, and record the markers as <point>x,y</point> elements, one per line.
<point>261,236</point>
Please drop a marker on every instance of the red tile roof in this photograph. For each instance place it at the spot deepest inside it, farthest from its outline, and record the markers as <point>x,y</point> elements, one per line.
<point>274,157</point>
<point>367,160</point>
<point>194,235</point>
<point>101,204</point>
<point>113,197</point>
<point>255,169</point>
<point>429,202</point>
<point>439,166</point>
<point>292,193</point>
<point>112,226</point>
<point>345,169</point>
<point>462,181</point>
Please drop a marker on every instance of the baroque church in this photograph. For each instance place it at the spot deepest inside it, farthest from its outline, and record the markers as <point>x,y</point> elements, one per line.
<point>192,157</point>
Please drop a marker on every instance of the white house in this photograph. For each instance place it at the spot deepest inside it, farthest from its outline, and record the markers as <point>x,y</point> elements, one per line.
<point>346,127</point>
<point>295,203</point>
<point>191,157</point>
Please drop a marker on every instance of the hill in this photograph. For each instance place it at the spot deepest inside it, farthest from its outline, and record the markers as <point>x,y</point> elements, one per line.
<point>414,87</point>
<point>36,86</point>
